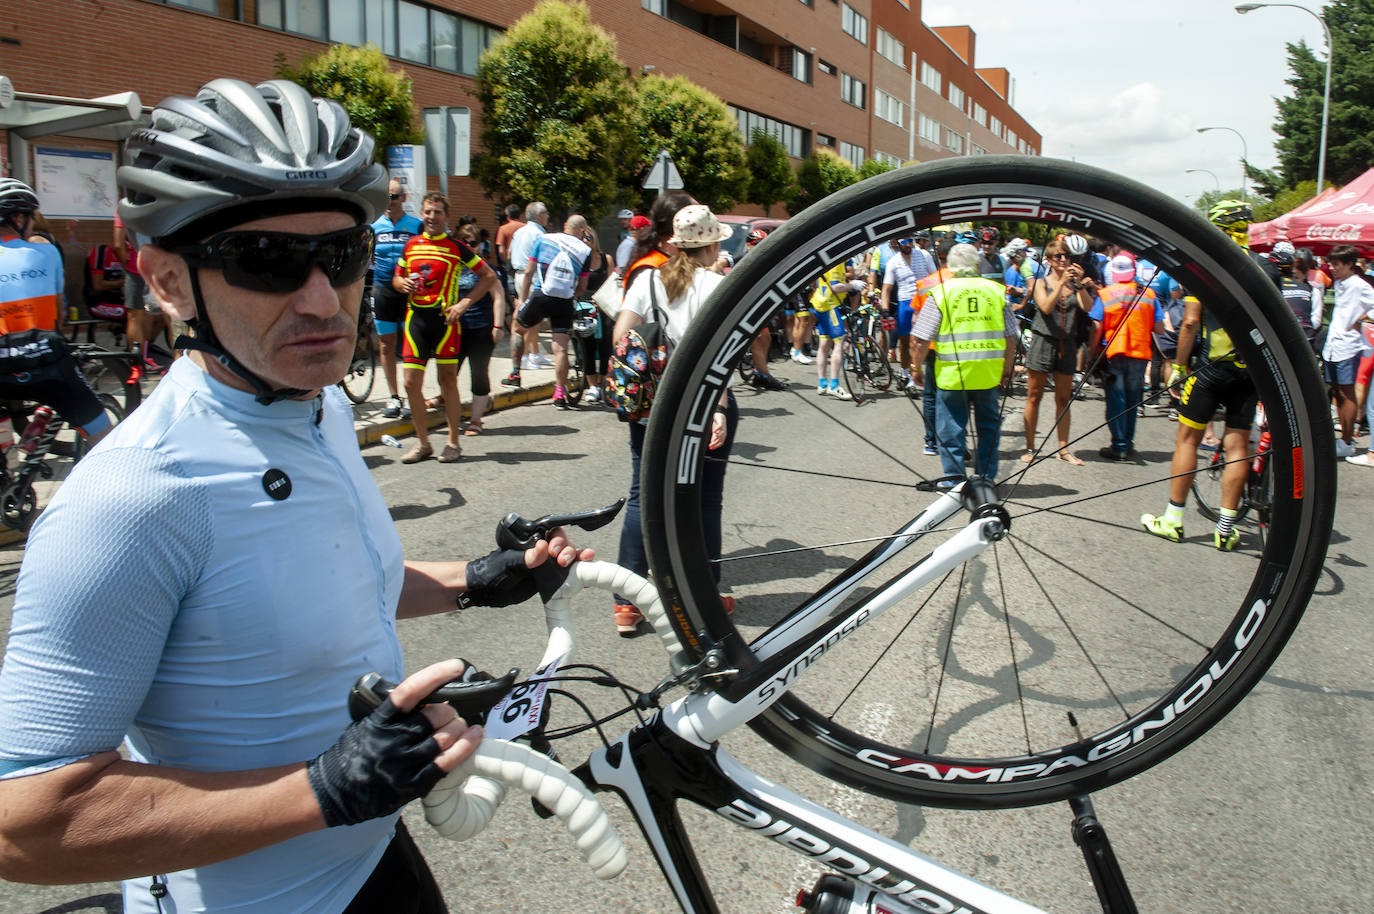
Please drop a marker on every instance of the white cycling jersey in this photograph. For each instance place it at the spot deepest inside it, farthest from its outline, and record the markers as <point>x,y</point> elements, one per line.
<point>207,585</point>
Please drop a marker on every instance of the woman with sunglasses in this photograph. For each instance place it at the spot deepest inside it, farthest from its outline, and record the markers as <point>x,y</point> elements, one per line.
<point>210,580</point>
<point>1062,301</point>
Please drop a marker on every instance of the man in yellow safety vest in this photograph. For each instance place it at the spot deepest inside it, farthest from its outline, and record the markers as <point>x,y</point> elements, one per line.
<point>974,336</point>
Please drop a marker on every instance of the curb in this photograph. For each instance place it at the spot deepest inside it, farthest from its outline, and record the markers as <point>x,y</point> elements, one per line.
<point>373,432</point>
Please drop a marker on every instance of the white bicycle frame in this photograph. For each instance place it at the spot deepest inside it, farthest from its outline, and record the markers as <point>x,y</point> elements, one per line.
<point>645,765</point>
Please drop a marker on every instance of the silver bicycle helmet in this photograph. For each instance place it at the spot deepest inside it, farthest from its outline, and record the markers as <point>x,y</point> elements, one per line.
<point>237,145</point>
<point>16,197</point>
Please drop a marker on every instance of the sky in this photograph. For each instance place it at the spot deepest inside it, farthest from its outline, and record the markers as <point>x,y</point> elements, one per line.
<point>1125,88</point>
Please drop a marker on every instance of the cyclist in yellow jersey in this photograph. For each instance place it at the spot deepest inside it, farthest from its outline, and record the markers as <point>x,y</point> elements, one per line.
<point>1219,381</point>
<point>831,290</point>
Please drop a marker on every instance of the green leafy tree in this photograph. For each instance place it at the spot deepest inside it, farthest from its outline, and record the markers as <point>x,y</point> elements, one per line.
<point>1286,200</point>
<point>377,97</point>
<point>871,167</point>
<point>821,174</point>
<point>556,112</point>
<point>1350,143</point>
<point>1207,199</point>
<point>697,129</point>
<point>771,179</point>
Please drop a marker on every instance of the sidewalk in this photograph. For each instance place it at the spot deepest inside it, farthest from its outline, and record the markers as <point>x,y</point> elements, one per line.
<point>367,417</point>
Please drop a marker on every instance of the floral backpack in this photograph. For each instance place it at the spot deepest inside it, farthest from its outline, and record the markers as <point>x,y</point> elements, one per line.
<point>637,362</point>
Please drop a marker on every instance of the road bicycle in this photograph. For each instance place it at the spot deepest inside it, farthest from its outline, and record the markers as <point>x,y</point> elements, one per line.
<point>1258,494</point>
<point>942,644</point>
<point>362,371</point>
<point>866,369</point>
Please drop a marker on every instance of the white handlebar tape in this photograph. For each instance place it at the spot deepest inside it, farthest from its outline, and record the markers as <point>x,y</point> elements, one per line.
<point>560,791</point>
<point>640,591</point>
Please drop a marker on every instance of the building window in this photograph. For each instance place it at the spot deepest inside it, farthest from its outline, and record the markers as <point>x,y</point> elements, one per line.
<point>796,62</point>
<point>852,154</point>
<point>793,138</point>
<point>825,139</point>
<point>853,91</point>
<point>931,78</point>
<point>1011,137</point>
<point>976,150</point>
<point>889,108</point>
<point>304,17</point>
<point>887,158</point>
<point>854,23</point>
<point>995,125</point>
<point>954,141</point>
<point>956,96</point>
<point>980,115</point>
<point>205,6</point>
<point>825,66</point>
<point>890,47</point>
<point>929,129</point>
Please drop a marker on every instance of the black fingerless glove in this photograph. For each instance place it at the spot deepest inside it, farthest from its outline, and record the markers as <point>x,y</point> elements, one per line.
<point>379,764</point>
<point>498,579</point>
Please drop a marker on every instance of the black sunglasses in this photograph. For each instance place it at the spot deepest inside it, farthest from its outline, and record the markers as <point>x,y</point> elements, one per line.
<point>281,261</point>
<point>398,196</point>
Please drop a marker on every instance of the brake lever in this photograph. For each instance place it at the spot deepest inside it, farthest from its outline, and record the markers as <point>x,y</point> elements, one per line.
<point>514,532</point>
<point>472,698</point>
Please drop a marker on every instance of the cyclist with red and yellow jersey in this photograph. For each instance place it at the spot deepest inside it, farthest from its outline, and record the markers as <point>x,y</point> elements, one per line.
<point>428,273</point>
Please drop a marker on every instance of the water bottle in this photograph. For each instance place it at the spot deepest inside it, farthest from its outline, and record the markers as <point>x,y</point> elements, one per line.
<point>834,894</point>
<point>42,416</point>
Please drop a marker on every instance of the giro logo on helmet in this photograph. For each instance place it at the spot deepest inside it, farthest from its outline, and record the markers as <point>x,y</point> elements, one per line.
<point>306,175</point>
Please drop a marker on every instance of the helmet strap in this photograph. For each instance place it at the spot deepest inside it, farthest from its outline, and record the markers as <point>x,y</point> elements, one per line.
<point>205,341</point>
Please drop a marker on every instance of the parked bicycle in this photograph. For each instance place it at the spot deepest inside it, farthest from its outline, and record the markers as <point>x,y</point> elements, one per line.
<point>362,372</point>
<point>866,369</point>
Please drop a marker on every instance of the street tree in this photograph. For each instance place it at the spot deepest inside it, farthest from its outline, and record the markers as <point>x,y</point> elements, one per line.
<point>556,112</point>
<point>871,167</point>
<point>771,178</point>
<point>1286,201</point>
<point>377,96</point>
<point>821,174</point>
<point>1350,143</point>
<point>698,130</point>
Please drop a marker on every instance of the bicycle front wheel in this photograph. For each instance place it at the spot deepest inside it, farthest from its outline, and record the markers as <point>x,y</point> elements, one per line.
<point>362,374</point>
<point>1075,651</point>
<point>1207,484</point>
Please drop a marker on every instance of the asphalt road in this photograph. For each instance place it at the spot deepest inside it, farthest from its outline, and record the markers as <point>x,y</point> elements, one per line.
<point>1271,810</point>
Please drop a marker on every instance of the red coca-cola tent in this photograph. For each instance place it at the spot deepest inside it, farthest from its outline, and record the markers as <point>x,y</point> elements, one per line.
<point>1333,217</point>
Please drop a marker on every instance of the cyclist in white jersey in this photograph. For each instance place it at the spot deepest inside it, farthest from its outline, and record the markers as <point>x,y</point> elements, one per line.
<point>219,642</point>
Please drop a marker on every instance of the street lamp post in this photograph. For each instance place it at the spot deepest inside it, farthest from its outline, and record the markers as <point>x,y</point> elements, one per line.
<point>1244,157</point>
<point>1205,171</point>
<point>1326,91</point>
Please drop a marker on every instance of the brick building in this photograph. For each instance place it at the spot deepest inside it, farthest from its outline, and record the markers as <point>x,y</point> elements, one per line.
<point>864,77</point>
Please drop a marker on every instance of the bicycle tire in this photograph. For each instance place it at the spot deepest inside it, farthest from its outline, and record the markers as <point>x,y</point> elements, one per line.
<point>877,369</point>
<point>746,368</point>
<point>1141,680</point>
<point>80,444</point>
<point>852,370</point>
<point>362,373</point>
<point>577,381</point>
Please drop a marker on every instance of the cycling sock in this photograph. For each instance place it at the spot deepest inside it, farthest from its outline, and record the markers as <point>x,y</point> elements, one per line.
<point>834,383</point>
<point>1174,513</point>
<point>1226,519</point>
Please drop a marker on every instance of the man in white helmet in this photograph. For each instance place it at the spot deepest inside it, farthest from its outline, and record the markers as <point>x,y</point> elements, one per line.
<point>211,580</point>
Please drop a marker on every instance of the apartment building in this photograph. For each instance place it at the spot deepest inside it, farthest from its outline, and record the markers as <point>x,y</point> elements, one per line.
<point>865,78</point>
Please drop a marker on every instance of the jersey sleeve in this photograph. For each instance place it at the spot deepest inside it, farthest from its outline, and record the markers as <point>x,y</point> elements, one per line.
<point>97,594</point>
<point>466,255</point>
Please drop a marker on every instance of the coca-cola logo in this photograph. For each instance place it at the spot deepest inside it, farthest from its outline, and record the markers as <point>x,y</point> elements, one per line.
<point>1346,231</point>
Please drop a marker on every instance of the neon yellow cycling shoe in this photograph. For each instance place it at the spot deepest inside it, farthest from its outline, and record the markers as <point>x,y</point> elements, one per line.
<point>1228,542</point>
<point>1163,527</point>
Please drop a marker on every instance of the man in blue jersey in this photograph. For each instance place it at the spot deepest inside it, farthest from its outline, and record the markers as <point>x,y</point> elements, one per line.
<point>219,648</point>
<point>393,229</point>
<point>35,363</point>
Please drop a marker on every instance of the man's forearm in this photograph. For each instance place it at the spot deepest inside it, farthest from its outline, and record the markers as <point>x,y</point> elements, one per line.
<point>104,818</point>
<point>431,587</point>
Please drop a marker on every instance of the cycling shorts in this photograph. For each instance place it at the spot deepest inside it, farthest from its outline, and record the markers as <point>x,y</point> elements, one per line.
<point>388,306</point>
<point>1216,385</point>
<point>1344,372</point>
<point>60,385</point>
<point>905,318</point>
<point>828,324</point>
<point>559,311</point>
<point>427,335</point>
